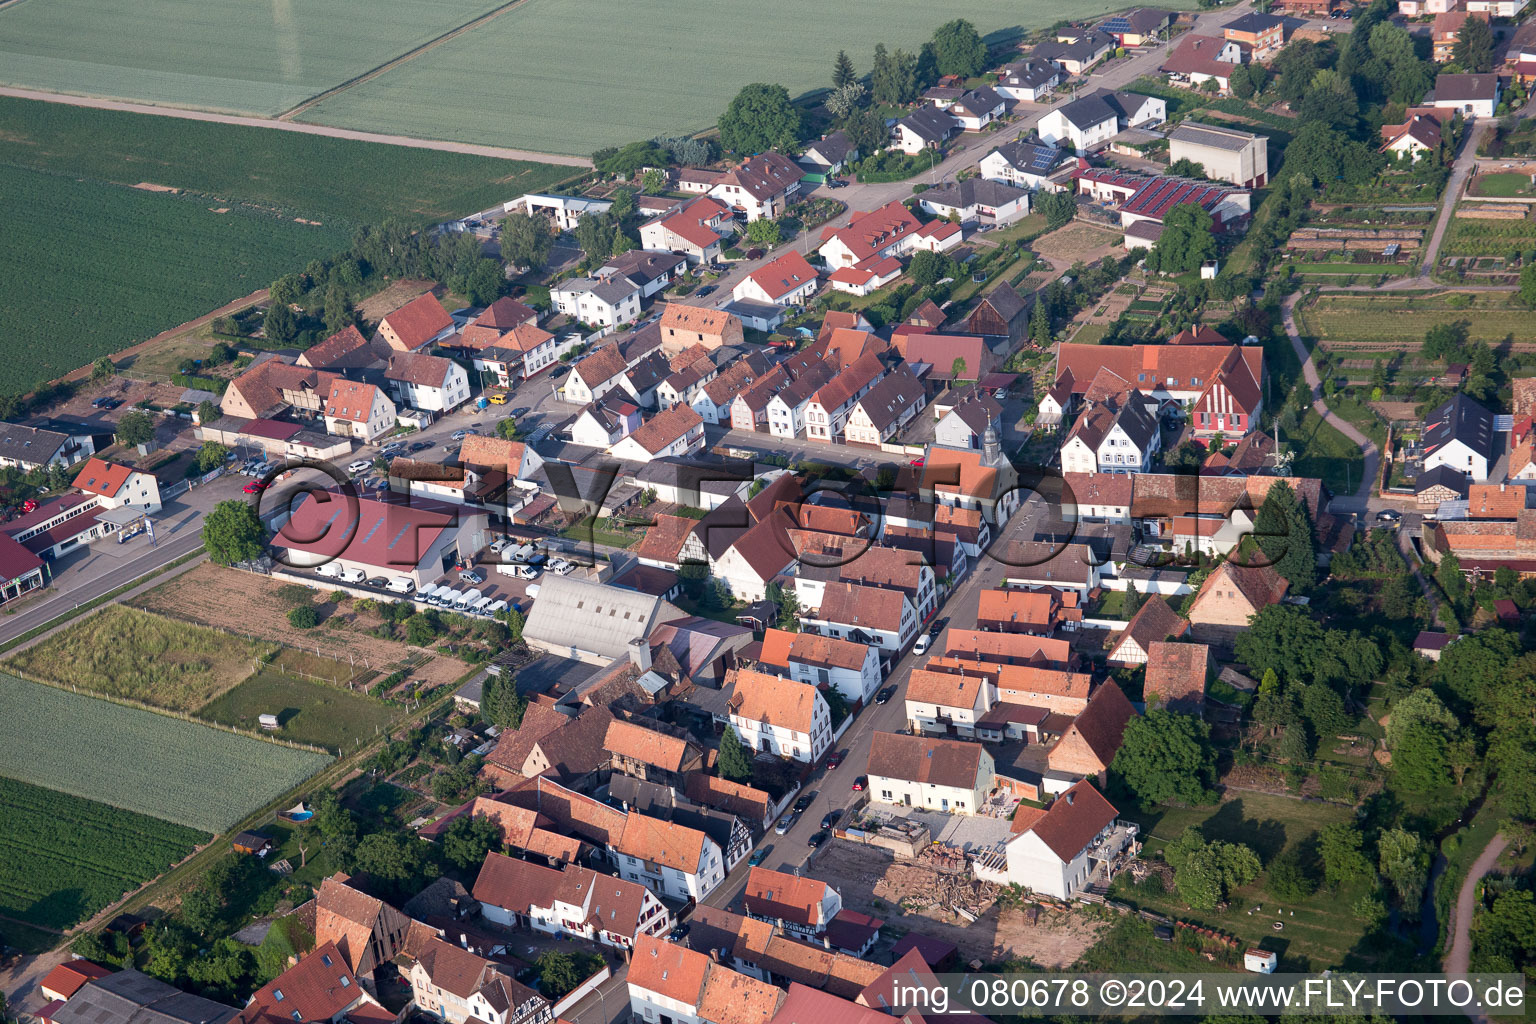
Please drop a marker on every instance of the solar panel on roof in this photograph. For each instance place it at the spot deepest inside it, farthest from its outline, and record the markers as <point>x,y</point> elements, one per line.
<point>1043,159</point>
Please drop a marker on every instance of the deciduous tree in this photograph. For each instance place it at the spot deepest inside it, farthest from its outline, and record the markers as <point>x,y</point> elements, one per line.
<point>232,533</point>
<point>959,50</point>
<point>1167,758</point>
<point>526,241</point>
<point>759,118</point>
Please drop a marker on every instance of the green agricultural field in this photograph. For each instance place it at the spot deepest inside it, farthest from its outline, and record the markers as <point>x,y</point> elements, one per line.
<point>91,268</point>
<point>1502,184</point>
<point>63,858</point>
<point>1470,236</point>
<point>140,761</point>
<point>529,77</point>
<point>338,182</point>
<point>314,713</point>
<point>257,58</point>
<point>1400,320</point>
<point>124,652</point>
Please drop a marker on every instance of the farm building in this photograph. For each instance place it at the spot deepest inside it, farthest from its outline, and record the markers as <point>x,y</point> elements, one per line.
<point>379,538</point>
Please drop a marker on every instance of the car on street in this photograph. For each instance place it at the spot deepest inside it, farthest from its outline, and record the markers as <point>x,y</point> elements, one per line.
<point>1388,515</point>
<point>377,582</point>
<point>254,487</point>
<point>679,933</point>
<point>708,289</point>
<point>859,783</point>
<point>785,824</point>
<point>918,463</point>
<point>834,759</point>
<point>758,856</point>
<point>459,435</point>
<point>420,446</point>
<point>521,410</point>
<point>472,576</point>
<point>360,466</point>
<point>830,818</point>
<point>818,838</point>
<point>804,802</point>
<point>885,695</point>
<point>923,643</point>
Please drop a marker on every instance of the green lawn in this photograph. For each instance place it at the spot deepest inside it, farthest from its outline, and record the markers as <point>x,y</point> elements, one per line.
<point>1318,932</point>
<point>1402,319</point>
<point>1503,184</point>
<point>220,54</point>
<point>1325,453</point>
<point>527,78</point>
<point>316,713</point>
<point>1390,269</point>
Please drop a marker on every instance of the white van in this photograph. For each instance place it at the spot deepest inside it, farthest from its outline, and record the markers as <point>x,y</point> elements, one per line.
<point>353,575</point>
<point>508,568</point>
<point>527,572</point>
<point>424,595</point>
<point>330,570</point>
<point>481,605</point>
<point>521,553</point>
<point>400,585</point>
<point>496,608</point>
<point>532,591</point>
<point>445,596</point>
<point>467,601</point>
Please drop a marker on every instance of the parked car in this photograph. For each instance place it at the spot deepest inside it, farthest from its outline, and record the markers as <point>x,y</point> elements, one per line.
<point>680,933</point>
<point>1388,515</point>
<point>756,254</point>
<point>885,695</point>
<point>353,575</point>
<point>400,585</point>
<point>111,403</point>
<point>474,576</point>
<point>254,487</point>
<point>498,545</point>
<point>804,802</point>
<point>758,856</point>
<point>830,818</point>
<point>818,838</point>
<point>784,825</point>
<point>708,289</point>
<point>836,183</point>
<point>560,567</point>
<point>360,466</point>
<point>459,435</point>
<point>918,462</point>
<point>527,572</point>
<point>378,582</point>
<point>859,783</point>
<point>420,446</point>
<point>923,643</point>
<point>834,759</point>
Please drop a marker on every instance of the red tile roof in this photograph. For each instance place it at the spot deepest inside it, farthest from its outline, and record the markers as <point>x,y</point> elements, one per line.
<point>770,699</point>
<point>350,400</point>
<point>418,321</point>
<point>1176,674</point>
<point>783,275</point>
<point>71,976</point>
<point>781,647</point>
<point>339,345</point>
<point>362,530</point>
<point>869,233</point>
<point>101,477</point>
<point>777,894</point>
<point>316,989</point>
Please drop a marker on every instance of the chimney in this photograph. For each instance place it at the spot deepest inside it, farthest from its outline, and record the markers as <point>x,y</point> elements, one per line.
<point>640,653</point>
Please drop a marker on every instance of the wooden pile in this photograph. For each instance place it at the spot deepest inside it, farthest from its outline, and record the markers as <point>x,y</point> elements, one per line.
<point>943,892</point>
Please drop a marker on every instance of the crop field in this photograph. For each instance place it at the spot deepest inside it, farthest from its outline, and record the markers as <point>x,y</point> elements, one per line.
<point>1338,321</point>
<point>92,267</point>
<point>338,182</point>
<point>63,858</point>
<point>529,78</point>
<point>314,713</point>
<point>140,761</point>
<point>255,58</point>
<point>1472,237</point>
<point>124,652</point>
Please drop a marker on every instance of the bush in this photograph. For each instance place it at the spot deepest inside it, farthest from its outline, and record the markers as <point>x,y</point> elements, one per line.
<point>303,617</point>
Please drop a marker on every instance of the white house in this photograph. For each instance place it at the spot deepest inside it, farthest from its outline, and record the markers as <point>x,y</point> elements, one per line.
<point>977,200</point>
<point>886,619</point>
<point>1090,120</point>
<point>786,281</point>
<point>924,128</point>
<point>851,669</point>
<point>1106,439</point>
<point>606,421</point>
<point>801,906</point>
<point>760,188</point>
<point>601,370</point>
<point>1460,436</point>
<point>930,773</point>
<point>978,108</point>
<point>602,302</point>
<point>651,272</point>
<point>787,408</point>
<point>891,230</point>
<point>830,154</point>
<point>117,486</point>
<point>1064,848</point>
<point>965,422</point>
<point>576,902</point>
<point>671,432</point>
<point>773,715</point>
<point>754,560</point>
<point>430,383</point>
<point>1473,95</point>
<point>695,230</point>
<point>1226,154</point>
<point>456,986</point>
<point>713,400</point>
<point>565,212</point>
<point>355,409</point>
<point>1025,163</point>
<point>946,703</point>
<point>29,448</point>
<point>1030,80</point>
<point>869,276</point>
<point>521,352</point>
<point>1076,52</point>
<point>669,859</point>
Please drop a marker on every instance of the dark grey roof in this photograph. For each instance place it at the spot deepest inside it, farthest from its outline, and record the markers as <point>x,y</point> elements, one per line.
<point>1005,301</point>
<point>642,266</point>
<point>833,149</point>
<point>1140,20</point>
<point>649,372</point>
<point>972,191</point>
<point>1084,50</point>
<point>612,290</point>
<point>1033,156</point>
<point>1444,476</point>
<point>981,101</point>
<point>1087,111</point>
<point>707,473</point>
<point>1213,136</point>
<point>1030,73</point>
<point>29,444</point>
<point>895,394</point>
<point>1253,22</point>
<point>929,124</point>
<point>1460,419</point>
<point>129,997</point>
<point>1457,88</point>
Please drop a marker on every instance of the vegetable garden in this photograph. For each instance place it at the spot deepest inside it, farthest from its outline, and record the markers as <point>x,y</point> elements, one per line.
<point>140,761</point>
<point>63,858</point>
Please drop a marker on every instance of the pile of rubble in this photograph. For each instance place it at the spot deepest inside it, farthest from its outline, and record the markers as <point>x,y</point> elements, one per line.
<point>932,890</point>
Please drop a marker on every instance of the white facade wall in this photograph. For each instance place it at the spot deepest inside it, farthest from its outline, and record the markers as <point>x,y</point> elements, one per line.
<point>774,739</point>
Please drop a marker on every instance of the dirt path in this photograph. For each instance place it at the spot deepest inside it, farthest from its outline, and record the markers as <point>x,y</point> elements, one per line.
<point>1459,172</point>
<point>497,152</point>
<point>289,115</point>
<point>1459,957</point>
<point>1339,423</point>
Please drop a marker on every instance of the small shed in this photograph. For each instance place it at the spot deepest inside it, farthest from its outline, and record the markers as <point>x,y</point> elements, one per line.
<point>253,843</point>
<point>1430,645</point>
<point>1260,961</point>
